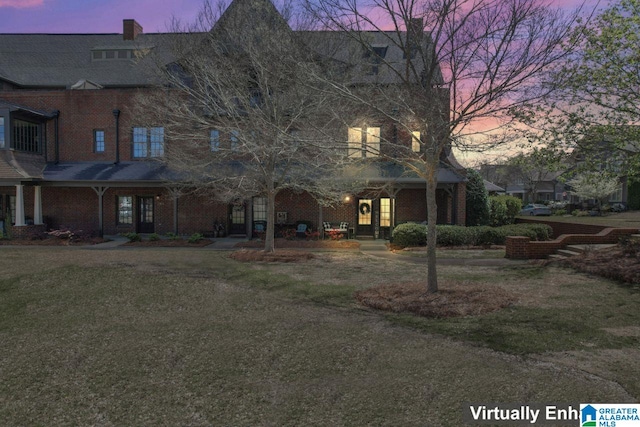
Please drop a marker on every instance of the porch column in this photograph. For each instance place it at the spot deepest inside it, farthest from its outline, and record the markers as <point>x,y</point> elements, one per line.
<point>100,192</point>
<point>37,205</point>
<point>19,219</point>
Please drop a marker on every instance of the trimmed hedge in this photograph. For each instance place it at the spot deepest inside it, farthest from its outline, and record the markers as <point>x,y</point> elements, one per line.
<point>411,234</point>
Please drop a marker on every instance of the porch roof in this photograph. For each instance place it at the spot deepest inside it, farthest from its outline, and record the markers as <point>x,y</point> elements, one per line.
<point>16,166</point>
<point>107,172</point>
<point>393,172</point>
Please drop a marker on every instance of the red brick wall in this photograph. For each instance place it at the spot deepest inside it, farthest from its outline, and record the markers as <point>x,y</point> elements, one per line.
<point>82,111</point>
<point>462,204</point>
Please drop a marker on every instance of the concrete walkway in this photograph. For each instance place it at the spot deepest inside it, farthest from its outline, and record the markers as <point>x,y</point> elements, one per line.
<point>375,248</point>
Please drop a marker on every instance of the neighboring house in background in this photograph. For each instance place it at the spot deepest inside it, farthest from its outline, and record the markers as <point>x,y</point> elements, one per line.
<point>529,186</point>
<point>493,189</point>
<point>73,155</point>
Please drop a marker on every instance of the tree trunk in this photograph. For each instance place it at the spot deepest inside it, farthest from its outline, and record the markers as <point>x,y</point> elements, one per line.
<point>432,217</point>
<point>269,238</point>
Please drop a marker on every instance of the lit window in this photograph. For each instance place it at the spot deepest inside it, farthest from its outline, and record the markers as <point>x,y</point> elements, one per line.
<point>415,141</point>
<point>98,141</point>
<point>125,210</point>
<point>355,143</point>
<point>363,142</point>
<point>386,207</point>
<point>214,140</point>
<point>148,142</point>
<point>1,132</point>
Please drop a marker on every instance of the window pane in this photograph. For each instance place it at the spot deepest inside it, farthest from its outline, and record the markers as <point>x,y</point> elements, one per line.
<point>259,208</point>
<point>354,149</point>
<point>214,140</point>
<point>157,142</point>
<point>98,139</point>
<point>415,141</point>
<point>125,210</point>
<point>373,142</point>
<point>1,132</point>
<point>139,142</point>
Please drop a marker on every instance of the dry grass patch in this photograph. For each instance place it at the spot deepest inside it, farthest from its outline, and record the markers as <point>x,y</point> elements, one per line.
<point>454,299</point>
<point>245,255</point>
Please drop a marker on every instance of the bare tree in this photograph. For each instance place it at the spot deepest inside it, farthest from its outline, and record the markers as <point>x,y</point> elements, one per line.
<point>241,118</point>
<point>464,62</point>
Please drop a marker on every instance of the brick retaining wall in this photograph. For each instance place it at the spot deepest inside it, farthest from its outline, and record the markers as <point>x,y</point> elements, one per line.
<point>560,228</point>
<point>523,248</point>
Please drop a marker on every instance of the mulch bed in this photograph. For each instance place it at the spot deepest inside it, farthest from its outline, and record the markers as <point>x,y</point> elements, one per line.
<point>248,255</point>
<point>303,244</point>
<point>453,299</point>
<point>52,241</point>
<point>619,263</point>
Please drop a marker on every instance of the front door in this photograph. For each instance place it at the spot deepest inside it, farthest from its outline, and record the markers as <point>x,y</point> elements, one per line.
<point>365,217</point>
<point>237,219</point>
<point>145,215</point>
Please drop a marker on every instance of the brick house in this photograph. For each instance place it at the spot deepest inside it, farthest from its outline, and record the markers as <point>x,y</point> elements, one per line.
<point>73,155</point>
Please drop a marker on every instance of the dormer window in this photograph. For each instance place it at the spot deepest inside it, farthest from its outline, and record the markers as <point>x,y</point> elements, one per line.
<point>109,54</point>
<point>375,56</point>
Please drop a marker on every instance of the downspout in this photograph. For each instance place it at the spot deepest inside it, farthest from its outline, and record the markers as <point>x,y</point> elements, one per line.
<point>56,116</point>
<point>116,114</point>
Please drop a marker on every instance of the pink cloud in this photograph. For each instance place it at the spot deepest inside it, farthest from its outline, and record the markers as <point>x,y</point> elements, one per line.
<point>21,4</point>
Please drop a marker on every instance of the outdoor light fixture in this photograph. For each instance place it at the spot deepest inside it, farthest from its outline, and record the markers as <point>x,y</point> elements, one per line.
<point>347,199</point>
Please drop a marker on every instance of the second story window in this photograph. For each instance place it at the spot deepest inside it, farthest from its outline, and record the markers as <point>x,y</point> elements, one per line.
<point>26,136</point>
<point>415,141</point>
<point>214,140</point>
<point>98,141</point>
<point>363,142</point>
<point>235,140</point>
<point>1,132</point>
<point>148,142</point>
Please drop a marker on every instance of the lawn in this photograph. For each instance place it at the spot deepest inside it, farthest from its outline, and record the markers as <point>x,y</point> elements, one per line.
<point>190,337</point>
<point>627,219</point>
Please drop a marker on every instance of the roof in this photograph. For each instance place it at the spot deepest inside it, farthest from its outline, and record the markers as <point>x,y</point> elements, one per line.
<point>92,172</point>
<point>62,60</point>
<point>393,172</point>
<point>15,165</point>
<point>491,187</point>
<point>17,107</point>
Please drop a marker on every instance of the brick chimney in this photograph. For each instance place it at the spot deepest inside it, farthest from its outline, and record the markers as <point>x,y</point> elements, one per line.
<point>130,29</point>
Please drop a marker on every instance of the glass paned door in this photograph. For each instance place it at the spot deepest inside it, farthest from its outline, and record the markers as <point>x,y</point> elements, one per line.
<point>365,217</point>
<point>237,217</point>
<point>145,215</point>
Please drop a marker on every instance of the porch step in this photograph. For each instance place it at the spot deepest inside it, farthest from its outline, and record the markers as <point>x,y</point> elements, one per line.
<point>573,250</point>
<point>567,252</point>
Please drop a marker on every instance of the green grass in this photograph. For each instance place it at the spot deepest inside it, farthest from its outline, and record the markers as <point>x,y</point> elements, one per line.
<point>189,337</point>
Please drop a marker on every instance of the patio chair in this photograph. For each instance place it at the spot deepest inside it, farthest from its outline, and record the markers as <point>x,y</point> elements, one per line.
<point>301,231</point>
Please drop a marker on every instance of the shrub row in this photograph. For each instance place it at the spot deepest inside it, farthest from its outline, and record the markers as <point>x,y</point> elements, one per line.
<point>453,235</point>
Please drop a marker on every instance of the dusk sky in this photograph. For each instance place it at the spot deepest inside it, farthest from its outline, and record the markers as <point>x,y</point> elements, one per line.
<point>105,16</point>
